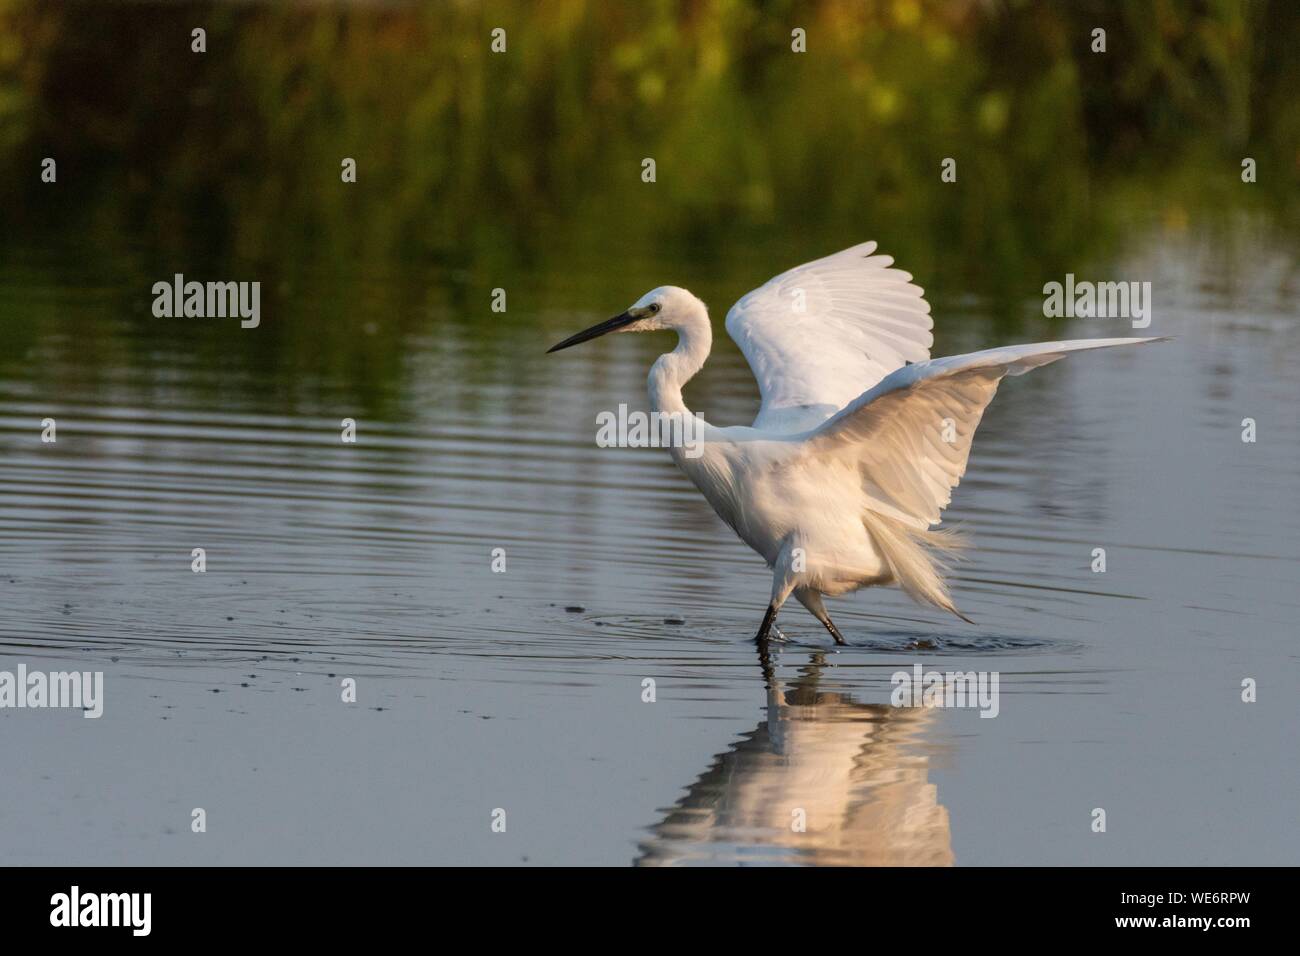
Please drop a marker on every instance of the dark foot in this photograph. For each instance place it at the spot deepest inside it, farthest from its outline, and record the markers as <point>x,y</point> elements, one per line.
<point>766,626</point>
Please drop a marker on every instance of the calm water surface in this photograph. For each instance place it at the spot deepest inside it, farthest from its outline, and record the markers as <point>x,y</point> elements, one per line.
<point>523,690</point>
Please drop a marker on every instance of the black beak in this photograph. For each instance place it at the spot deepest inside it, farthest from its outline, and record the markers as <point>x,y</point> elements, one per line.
<point>596,331</point>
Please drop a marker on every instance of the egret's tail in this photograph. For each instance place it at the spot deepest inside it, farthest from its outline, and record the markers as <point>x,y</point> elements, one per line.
<point>917,558</point>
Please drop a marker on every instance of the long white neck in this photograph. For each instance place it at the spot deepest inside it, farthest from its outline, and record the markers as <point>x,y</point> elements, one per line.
<point>670,372</point>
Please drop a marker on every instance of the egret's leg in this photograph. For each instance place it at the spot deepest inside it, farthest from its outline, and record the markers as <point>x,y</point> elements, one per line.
<point>782,585</point>
<point>835,631</point>
<point>812,600</point>
<point>769,628</point>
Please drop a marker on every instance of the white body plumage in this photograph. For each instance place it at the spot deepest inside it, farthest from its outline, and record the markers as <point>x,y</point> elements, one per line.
<point>854,452</point>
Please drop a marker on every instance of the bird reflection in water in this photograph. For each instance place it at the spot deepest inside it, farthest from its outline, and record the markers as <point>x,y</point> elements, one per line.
<point>854,774</point>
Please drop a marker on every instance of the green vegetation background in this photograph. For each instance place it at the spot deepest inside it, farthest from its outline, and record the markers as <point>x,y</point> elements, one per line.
<point>523,169</point>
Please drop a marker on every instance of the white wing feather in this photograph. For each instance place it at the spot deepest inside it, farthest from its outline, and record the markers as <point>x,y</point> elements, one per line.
<point>821,334</point>
<point>896,432</point>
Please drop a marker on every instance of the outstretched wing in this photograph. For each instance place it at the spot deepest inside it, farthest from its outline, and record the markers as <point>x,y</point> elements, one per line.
<point>910,436</point>
<point>821,334</point>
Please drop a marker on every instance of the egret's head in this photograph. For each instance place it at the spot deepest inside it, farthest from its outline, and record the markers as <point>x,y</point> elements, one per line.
<point>666,307</point>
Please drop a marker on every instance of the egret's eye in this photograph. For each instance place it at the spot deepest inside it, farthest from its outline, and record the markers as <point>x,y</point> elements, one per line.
<point>654,307</point>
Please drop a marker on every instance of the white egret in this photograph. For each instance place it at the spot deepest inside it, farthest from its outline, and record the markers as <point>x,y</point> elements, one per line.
<point>861,436</point>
